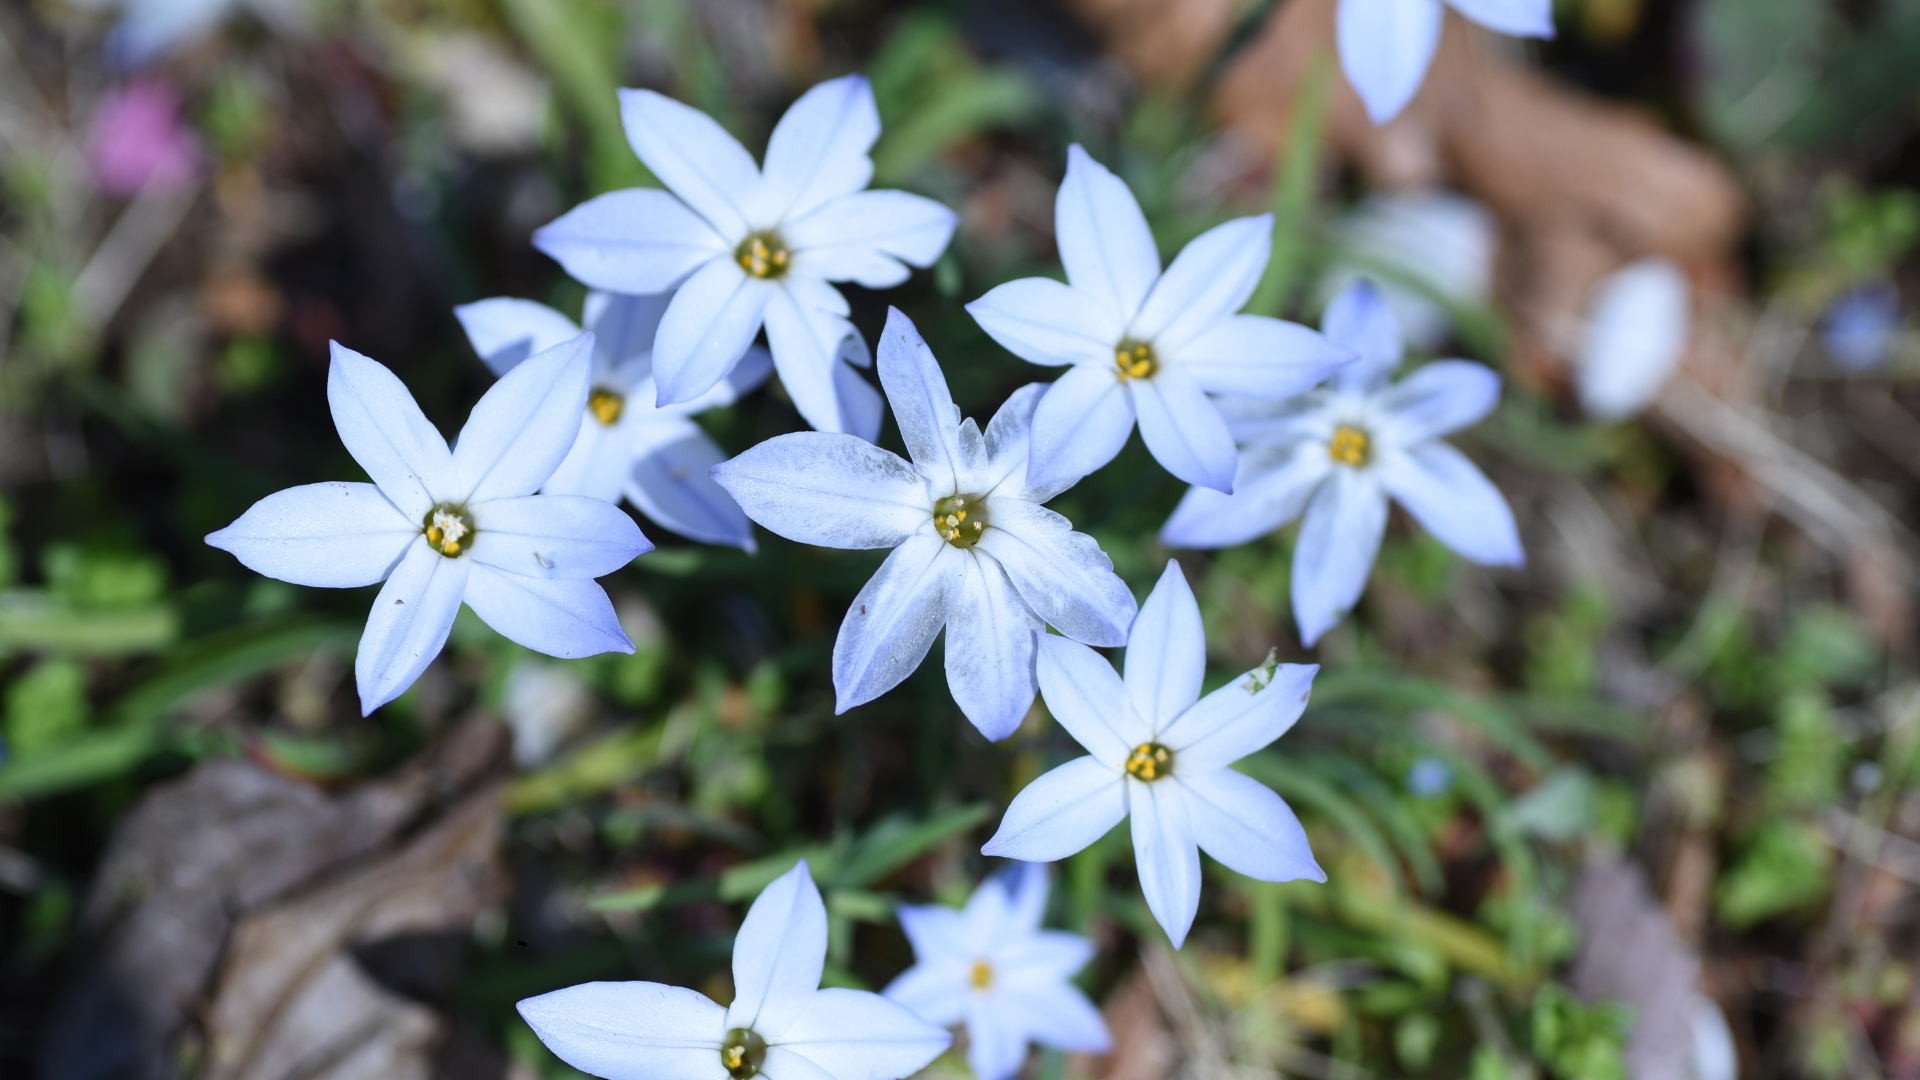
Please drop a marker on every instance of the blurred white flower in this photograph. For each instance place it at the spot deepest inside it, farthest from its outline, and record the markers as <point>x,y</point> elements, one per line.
<point>1444,241</point>
<point>991,967</point>
<point>1637,329</point>
<point>544,705</point>
<point>781,1025</point>
<point>749,247</point>
<point>973,549</point>
<point>444,526</point>
<point>1858,329</point>
<point>1386,45</point>
<point>1339,454</point>
<point>657,457</point>
<point>1160,753</point>
<point>1143,344</point>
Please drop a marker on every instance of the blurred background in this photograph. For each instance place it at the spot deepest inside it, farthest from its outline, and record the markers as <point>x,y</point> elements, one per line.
<point>1647,808</point>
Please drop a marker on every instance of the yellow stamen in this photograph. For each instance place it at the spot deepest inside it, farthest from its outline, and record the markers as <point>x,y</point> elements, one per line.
<point>1135,359</point>
<point>764,255</point>
<point>605,405</point>
<point>981,976</point>
<point>1149,761</point>
<point>448,528</point>
<point>961,520</point>
<point>1350,446</point>
<point>742,1053</point>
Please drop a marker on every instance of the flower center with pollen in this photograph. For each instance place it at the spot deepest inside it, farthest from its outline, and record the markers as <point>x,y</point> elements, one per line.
<point>1149,761</point>
<point>764,255</point>
<point>960,519</point>
<point>1135,359</point>
<point>449,530</point>
<point>1350,446</point>
<point>743,1052</point>
<point>981,975</point>
<point>605,405</point>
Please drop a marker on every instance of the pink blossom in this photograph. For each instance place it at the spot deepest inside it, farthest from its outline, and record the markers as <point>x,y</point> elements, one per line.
<point>138,140</point>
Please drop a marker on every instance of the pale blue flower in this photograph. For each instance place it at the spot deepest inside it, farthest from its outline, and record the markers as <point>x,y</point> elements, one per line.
<point>973,549</point>
<point>991,967</point>
<point>1429,776</point>
<point>1160,753</point>
<point>444,526</point>
<point>1386,45</point>
<point>1337,455</point>
<point>657,457</point>
<point>1859,328</point>
<point>749,247</point>
<point>1637,329</point>
<point>1145,345</point>
<point>782,1025</point>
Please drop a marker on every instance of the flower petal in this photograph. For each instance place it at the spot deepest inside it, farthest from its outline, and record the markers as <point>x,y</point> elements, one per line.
<point>408,623</point>
<point>785,1064</point>
<point>1027,886</point>
<point>624,325</point>
<point>990,634</point>
<point>827,489</point>
<point>640,240</point>
<point>673,485</point>
<point>866,236</point>
<point>1166,651</point>
<point>1455,501</point>
<point>860,404</point>
<point>1271,489</point>
<point>778,955</point>
<point>1521,18</point>
<point>936,990</point>
<point>1079,425</point>
<point>710,323</point>
<point>631,1030</point>
<point>1086,696</point>
<point>1060,1017</point>
<point>1042,957</point>
<point>1260,357</point>
<point>996,1038</point>
<point>597,465</point>
<point>1062,575</point>
<point>1165,855</point>
<point>1338,541</point>
<point>1437,399</point>
<point>934,930</point>
<point>564,617</point>
<point>1211,278</point>
<point>694,157</point>
<point>1061,812</point>
<point>555,536</point>
<point>1637,331</point>
<point>818,150</point>
<point>525,424</point>
<point>1239,718</point>
<point>855,1035</point>
<point>1045,322</point>
<point>1008,438</point>
<point>388,434</point>
<point>894,619</point>
<point>922,405</point>
<point>803,340</point>
<point>1104,241</point>
<point>329,536</point>
<point>505,330</point>
<point>1184,431</point>
<point>1385,47</point>
<point>1361,319</point>
<point>1248,829</point>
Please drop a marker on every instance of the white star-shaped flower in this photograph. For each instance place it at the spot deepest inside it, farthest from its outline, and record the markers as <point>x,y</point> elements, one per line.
<point>753,246</point>
<point>1339,453</point>
<point>657,457</point>
<point>1387,45</point>
<point>1159,752</point>
<point>1143,344</point>
<point>444,526</point>
<point>973,549</point>
<point>991,967</point>
<point>781,1025</point>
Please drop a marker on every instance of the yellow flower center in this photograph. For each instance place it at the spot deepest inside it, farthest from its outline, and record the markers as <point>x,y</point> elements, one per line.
<point>961,520</point>
<point>764,255</point>
<point>1135,359</point>
<point>743,1052</point>
<point>449,529</point>
<point>1149,761</point>
<point>981,976</point>
<point>1350,446</point>
<point>605,405</point>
